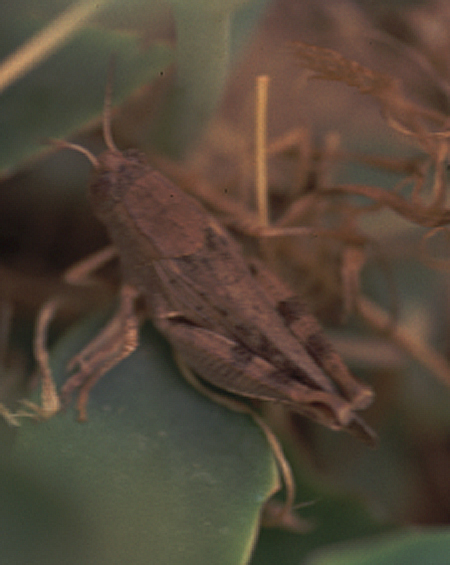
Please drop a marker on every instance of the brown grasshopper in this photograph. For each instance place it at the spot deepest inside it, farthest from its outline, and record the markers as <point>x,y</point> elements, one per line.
<point>231,321</point>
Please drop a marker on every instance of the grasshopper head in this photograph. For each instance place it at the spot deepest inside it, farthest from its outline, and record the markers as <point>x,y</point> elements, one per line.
<point>114,174</point>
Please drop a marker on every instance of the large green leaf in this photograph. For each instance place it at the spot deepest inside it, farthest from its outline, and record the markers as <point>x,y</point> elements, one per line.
<point>60,93</point>
<point>414,547</point>
<point>158,474</point>
<point>67,90</point>
<point>334,516</point>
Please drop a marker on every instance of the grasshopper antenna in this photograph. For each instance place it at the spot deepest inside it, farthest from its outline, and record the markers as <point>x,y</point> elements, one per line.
<point>107,134</point>
<point>63,144</point>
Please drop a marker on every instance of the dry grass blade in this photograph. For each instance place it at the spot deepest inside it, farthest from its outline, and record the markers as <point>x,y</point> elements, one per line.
<point>402,115</point>
<point>45,42</point>
<point>378,319</point>
<point>327,64</point>
<point>426,256</point>
<point>426,216</point>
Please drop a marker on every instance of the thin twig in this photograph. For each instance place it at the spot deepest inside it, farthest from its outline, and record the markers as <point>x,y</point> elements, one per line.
<point>426,355</point>
<point>262,87</point>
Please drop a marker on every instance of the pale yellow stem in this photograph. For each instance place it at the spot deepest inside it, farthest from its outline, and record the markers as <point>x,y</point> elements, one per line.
<point>46,41</point>
<point>262,87</point>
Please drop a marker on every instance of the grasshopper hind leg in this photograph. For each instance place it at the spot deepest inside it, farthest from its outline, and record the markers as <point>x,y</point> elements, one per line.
<point>274,514</point>
<point>309,333</point>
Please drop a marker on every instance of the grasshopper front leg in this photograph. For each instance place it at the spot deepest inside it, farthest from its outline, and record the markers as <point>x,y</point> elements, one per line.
<point>117,340</point>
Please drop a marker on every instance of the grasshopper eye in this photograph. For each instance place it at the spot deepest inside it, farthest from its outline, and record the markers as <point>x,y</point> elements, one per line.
<point>135,157</point>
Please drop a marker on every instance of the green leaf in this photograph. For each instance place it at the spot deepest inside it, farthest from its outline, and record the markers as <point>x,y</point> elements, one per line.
<point>414,547</point>
<point>205,32</point>
<point>159,474</point>
<point>333,518</point>
<point>67,90</point>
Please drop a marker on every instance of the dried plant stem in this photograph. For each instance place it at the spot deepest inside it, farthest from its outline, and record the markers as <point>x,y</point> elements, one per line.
<point>262,87</point>
<point>425,255</point>
<point>6,313</point>
<point>426,355</point>
<point>426,216</point>
<point>46,41</point>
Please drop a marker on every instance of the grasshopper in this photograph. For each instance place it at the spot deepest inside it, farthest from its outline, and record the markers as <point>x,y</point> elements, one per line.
<point>230,320</point>
<point>234,326</point>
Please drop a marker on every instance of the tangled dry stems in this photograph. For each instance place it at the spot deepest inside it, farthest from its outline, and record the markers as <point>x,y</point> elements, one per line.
<point>316,238</point>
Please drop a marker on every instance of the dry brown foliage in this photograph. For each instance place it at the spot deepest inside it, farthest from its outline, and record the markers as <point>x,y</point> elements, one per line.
<point>315,239</point>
